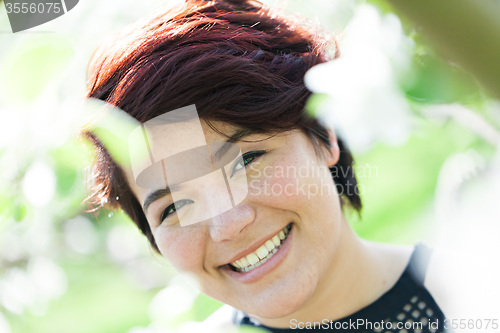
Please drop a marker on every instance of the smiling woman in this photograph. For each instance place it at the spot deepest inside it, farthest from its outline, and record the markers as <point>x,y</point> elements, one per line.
<point>279,251</point>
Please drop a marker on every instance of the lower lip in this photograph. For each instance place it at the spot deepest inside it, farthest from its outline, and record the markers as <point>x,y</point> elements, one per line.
<point>258,273</point>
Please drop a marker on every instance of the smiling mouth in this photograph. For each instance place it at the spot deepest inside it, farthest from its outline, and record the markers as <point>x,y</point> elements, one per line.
<point>263,253</point>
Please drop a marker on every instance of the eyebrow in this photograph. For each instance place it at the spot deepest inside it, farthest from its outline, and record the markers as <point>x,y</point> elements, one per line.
<point>160,193</point>
<point>237,136</point>
<point>156,195</point>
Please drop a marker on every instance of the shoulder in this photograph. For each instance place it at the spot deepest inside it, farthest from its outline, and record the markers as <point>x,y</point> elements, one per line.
<point>220,321</point>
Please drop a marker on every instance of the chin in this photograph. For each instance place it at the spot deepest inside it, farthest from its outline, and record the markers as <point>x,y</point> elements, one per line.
<point>280,305</point>
<point>278,311</point>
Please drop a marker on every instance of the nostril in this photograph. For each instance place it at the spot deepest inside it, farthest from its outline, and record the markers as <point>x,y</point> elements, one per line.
<point>230,224</point>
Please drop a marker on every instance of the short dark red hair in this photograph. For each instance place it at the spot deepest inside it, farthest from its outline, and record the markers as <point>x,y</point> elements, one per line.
<point>237,61</point>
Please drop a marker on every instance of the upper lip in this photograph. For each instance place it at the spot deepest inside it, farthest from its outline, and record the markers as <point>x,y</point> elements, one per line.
<point>253,248</point>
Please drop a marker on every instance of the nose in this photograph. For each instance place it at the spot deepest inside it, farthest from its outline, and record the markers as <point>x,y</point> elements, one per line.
<point>229,225</point>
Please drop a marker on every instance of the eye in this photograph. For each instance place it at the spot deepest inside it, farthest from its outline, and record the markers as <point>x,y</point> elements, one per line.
<point>173,208</point>
<point>246,159</point>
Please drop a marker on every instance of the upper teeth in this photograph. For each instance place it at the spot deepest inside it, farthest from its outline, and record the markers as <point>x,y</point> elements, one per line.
<point>262,254</point>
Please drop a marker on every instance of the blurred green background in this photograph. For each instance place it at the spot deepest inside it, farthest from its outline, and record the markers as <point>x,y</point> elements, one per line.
<point>424,134</point>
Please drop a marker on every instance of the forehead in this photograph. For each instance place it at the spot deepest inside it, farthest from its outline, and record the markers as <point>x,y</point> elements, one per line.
<point>184,143</point>
<point>217,130</point>
<point>178,135</point>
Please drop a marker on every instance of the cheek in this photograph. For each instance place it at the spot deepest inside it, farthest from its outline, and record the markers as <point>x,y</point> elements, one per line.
<point>275,191</point>
<point>183,247</point>
<point>289,182</point>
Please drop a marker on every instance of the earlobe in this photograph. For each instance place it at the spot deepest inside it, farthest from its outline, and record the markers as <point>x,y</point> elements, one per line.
<point>334,151</point>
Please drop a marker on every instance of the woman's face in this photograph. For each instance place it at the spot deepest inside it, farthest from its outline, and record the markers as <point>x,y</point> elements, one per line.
<point>268,254</point>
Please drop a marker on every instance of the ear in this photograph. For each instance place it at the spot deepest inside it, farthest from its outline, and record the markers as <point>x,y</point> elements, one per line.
<point>333,153</point>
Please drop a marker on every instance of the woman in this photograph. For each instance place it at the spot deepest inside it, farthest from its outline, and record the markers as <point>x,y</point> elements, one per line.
<point>279,250</point>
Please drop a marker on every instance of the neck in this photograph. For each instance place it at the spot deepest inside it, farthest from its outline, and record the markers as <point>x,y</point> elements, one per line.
<point>358,275</point>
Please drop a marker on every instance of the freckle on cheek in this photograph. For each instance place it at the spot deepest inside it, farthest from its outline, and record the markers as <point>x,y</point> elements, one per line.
<point>181,250</point>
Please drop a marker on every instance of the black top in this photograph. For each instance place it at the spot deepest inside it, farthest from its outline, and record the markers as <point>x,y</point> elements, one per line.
<point>406,307</point>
